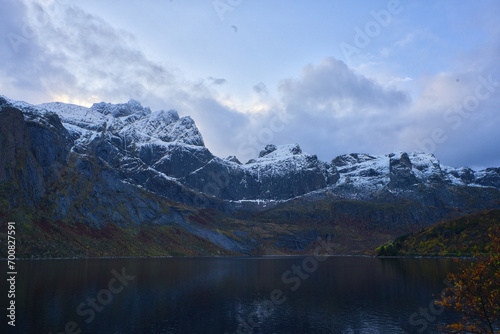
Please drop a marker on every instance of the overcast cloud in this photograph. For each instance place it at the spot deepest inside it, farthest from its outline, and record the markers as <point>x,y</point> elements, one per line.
<point>56,51</point>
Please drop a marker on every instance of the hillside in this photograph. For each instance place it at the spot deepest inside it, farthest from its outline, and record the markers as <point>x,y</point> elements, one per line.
<point>464,236</point>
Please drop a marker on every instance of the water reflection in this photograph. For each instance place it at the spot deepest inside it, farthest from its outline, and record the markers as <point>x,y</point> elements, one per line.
<point>216,295</point>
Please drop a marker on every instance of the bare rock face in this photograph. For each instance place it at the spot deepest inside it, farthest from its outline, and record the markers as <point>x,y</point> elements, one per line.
<point>490,177</point>
<point>51,143</point>
<point>127,146</point>
<point>32,153</point>
<point>280,173</point>
<point>20,173</point>
<point>267,150</point>
<point>400,171</point>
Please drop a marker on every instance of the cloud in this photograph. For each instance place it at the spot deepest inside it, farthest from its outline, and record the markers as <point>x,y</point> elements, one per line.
<point>333,89</point>
<point>73,56</point>
<point>217,81</point>
<point>260,89</point>
<point>458,120</point>
<point>57,52</point>
<point>337,110</point>
<point>61,51</point>
<point>24,61</point>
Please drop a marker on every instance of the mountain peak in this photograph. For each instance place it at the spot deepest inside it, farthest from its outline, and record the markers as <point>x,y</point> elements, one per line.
<point>121,109</point>
<point>267,150</point>
<point>280,151</point>
<point>351,159</point>
<point>170,116</point>
<point>233,158</point>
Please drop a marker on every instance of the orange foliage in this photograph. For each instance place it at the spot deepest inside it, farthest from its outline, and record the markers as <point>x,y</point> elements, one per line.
<point>475,294</point>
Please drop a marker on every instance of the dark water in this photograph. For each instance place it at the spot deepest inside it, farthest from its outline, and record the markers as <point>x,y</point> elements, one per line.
<point>219,295</point>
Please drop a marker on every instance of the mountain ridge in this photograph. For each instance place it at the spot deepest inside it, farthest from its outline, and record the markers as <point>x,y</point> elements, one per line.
<point>94,165</point>
<point>161,135</point>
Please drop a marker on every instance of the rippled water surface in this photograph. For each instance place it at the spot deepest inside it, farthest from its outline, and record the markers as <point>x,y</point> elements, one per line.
<point>230,295</point>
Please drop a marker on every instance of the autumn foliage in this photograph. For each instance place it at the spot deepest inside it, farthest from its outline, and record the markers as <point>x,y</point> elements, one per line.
<point>475,293</point>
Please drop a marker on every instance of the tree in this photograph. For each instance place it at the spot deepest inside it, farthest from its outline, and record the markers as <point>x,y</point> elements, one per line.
<point>475,293</point>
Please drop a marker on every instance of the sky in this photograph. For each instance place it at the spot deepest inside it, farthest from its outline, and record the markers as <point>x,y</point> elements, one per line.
<point>334,76</point>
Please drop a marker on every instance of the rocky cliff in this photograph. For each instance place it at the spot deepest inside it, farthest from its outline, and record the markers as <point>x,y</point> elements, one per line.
<point>124,165</point>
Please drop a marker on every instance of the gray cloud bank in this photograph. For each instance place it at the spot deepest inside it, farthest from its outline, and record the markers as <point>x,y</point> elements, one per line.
<point>52,51</point>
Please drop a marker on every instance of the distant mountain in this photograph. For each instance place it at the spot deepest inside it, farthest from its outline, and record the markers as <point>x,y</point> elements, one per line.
<point>124,165</point>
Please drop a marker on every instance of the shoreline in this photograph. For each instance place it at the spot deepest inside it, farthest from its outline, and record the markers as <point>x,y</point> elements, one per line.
<point>249,257</point>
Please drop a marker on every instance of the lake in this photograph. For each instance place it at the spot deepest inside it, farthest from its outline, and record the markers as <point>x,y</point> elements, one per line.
<point>230,295</point>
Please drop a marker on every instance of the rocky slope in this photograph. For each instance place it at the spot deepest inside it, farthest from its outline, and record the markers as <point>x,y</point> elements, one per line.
<point>125,165</point>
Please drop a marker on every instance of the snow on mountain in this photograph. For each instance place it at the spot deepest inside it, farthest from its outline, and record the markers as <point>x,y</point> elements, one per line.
<point>363,176</point>
<point>281,158</point>
<point>133,138</point>
<point>362,172</point>
<point>130,121</point>
<point>425,166</point>
<point>168,127</point>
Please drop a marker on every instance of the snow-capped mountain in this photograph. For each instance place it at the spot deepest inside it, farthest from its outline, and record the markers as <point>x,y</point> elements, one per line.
<point>72,170</point>
<point>145,145</point>
<point>363,175</point>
